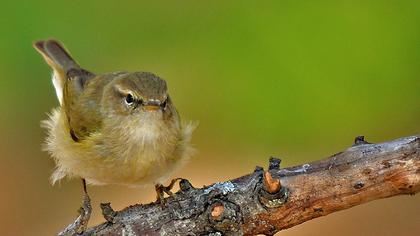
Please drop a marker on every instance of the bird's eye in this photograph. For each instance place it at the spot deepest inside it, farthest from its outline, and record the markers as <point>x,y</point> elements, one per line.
<point>129,99</point>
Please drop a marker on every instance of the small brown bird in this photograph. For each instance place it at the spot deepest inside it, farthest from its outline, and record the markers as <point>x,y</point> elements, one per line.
<point>114,128</point>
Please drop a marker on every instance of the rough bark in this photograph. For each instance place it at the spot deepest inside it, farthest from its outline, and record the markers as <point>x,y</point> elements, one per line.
<point>258,203</point>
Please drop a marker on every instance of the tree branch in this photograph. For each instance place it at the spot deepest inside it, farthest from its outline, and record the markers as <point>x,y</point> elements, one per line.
<point>265,202</point>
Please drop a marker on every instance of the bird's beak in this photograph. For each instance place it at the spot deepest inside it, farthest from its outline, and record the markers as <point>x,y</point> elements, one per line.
<point>152,105</point>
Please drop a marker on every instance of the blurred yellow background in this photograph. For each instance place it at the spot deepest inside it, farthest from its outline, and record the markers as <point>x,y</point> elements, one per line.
<point>293,79</point>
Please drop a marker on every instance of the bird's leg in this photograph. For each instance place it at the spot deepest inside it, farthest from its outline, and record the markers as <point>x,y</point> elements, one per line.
<point>81,222</point>
<point>86,209</point>
<point>161,190</point>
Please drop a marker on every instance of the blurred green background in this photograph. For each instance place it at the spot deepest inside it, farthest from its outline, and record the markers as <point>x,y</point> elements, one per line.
<point>294,79</point>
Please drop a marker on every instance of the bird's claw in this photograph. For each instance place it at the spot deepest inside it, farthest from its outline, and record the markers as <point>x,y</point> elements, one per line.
<point>108,213</point>
<point>161,190</point>
<point>80,224</point>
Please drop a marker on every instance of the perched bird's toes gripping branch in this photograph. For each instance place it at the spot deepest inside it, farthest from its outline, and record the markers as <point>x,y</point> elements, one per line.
<point>265,202</point>
<point>80,224</point>
<point>108,213</point>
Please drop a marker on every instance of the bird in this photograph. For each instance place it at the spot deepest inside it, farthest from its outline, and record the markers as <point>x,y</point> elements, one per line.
<point>118,128</point>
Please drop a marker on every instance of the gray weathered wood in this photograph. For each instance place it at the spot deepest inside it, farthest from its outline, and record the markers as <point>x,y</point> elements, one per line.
<point>242,206</point>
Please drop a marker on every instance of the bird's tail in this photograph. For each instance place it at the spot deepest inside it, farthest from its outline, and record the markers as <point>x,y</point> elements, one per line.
<point>56,55</point>
<point>60,61</point>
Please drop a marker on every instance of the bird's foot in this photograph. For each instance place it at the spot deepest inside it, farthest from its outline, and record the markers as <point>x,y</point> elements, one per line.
<point>161,190</point>
<point>108,213</point>
<point>80,224</point>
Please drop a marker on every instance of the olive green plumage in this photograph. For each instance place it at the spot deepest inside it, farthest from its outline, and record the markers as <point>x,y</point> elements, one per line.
<point>113,128</point>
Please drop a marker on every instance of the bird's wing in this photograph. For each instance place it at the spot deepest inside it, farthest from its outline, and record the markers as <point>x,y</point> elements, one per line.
<point>69,80</point>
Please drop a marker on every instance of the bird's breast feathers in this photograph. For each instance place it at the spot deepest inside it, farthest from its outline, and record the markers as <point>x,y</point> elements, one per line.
<point>146,154</point>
